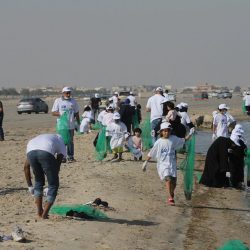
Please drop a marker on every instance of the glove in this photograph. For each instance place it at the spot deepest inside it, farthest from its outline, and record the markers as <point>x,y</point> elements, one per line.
<point>31,189</point>
<point>144,166</point>
<point>192,130</point>
<point>214,137</point>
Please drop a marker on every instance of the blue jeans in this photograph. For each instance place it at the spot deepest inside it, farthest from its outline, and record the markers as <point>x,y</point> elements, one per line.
<point>155,127</point>
<point>1,127</point>
<point>44,163</point>
<point>70,146</point>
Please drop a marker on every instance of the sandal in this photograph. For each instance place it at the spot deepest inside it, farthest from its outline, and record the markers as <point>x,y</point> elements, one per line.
<point>171,202</point>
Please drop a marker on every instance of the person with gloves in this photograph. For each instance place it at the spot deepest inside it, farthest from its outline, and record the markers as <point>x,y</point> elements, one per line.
<point>44,155</point>
<point>164,151</point>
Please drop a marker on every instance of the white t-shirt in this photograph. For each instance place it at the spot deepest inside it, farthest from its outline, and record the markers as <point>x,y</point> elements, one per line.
<point>115,100</point>
<point>132,100</point>
<point>101,115</point>
<point>61,105</point>
<point>185,120</point>
<point>84,126</point>
<point>107,118</point>
<point>164,152</point>
<point>117,132</point>
<point>247,100</point>
<point>51,143</point>
<point>220,121</point>
<point>155,105</point>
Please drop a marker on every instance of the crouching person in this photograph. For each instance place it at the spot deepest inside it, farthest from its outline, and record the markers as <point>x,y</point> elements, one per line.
<point>44,155</point>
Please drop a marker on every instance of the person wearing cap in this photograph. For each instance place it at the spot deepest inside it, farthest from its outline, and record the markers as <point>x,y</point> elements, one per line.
<point>154,106</point>
<point>95,102</point>
<point>246,100</point>
<point>1,122</point>
<point>185,119</point>
<point>116,100</point>
<point>132,99</point>
<point>164,151</point>
<point>116,130</point>
<point>222,157</point>
<point>67,104</point>
<point>127,112</point>
<point>220,122</point>
<point>108,116</point>
<point>44,155</point>
<point>166,94</point>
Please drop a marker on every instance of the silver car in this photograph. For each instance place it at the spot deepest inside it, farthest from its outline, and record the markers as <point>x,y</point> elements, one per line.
<point>32,104</point>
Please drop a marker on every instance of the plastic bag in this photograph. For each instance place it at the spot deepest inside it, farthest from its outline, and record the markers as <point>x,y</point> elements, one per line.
<point>62,127</point>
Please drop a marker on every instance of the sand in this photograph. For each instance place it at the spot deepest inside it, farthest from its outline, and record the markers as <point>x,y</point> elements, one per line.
<point>141,219</point>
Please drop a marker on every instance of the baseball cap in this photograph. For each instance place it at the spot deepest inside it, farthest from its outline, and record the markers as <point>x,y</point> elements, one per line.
<point>159,89</point>
<point>116,93</point>
<point>165,125</point>
<point>223,106</point>
<point>184,105</point>
<point>66,89</point>
<point>116,116</point>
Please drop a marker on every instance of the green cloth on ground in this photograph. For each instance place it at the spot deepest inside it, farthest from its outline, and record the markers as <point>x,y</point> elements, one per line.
<point>234,245</point>
<point>89,210</point>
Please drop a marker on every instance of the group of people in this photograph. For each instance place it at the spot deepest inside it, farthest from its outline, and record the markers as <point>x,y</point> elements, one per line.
<point>170,128</point>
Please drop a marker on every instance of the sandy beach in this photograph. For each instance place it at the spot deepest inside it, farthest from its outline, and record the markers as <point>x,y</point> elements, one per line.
<point>141,218</point>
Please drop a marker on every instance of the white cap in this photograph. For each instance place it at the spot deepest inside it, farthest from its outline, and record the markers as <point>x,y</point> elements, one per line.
<point>96,95</point>
<point>165,125</point>
<point>165,100</point>
<point>223,106</point>
<point>159,89</point>
<point>179,106</point>
<point>66,89</point>
<point>110,107</point>
<point>184,105</point>
<point>131,93</point>
<point>116,116</point>
<point>116,93</point>
<point>110,99</point>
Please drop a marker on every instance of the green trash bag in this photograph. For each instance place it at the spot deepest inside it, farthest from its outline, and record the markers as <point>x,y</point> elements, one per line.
<point>96,126</point>
<point>135,121</point>
<point>247,164</point>
<point>187,166</point>
<point>89,210</point>
<point>244,107</point>
<point>62,127</point>
<point>146,133</point>
<point>234,245</point>
<point>101,145</point>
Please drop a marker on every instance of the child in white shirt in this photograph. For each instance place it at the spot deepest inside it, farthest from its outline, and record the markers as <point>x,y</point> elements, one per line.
<point>86,120</point>
<point>164,151</point>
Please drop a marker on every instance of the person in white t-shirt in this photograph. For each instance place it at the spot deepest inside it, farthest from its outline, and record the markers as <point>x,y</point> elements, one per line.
<point>116,100</point>
<point>68,104</point>
<point>246,99</point>
<point>185,119</point>
<point>154,106</point>
<point>85,125</point>
<point>220,122</point>
<point>44,155</point>
<point>132,99</point>
<point>117,130</point>
<point>164,151</point>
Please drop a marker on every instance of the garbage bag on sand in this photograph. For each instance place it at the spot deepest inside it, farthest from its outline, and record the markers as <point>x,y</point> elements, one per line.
<point>234,245</point>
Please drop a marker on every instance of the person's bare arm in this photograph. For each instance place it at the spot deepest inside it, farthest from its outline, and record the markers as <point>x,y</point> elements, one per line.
<point>27,173</point>
<point>148,109</point>
<point>55,113</point>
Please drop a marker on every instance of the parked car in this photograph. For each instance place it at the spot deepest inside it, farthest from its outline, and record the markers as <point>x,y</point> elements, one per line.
<point>32,104</point>
<point>224,95</point>
<point>212,94</point>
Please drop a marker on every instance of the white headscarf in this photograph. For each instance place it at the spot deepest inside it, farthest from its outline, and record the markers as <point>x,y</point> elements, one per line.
<point>237,134</point>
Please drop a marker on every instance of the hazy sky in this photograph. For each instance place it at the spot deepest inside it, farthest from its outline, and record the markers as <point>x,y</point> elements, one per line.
<point>111,42</point>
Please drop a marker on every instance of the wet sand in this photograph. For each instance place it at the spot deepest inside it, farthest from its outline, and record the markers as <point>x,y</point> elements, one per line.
<point>141,219</point>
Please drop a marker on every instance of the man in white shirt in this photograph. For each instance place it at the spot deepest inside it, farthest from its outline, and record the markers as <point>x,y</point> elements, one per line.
<point>44,155</point>
<point>154,105</point>
<point>132,99</point>
<point>68,104</point>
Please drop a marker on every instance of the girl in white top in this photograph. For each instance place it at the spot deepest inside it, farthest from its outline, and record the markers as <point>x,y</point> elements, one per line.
<point>220,122</point>
<point>164,152</point>
<point>86,119</point>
